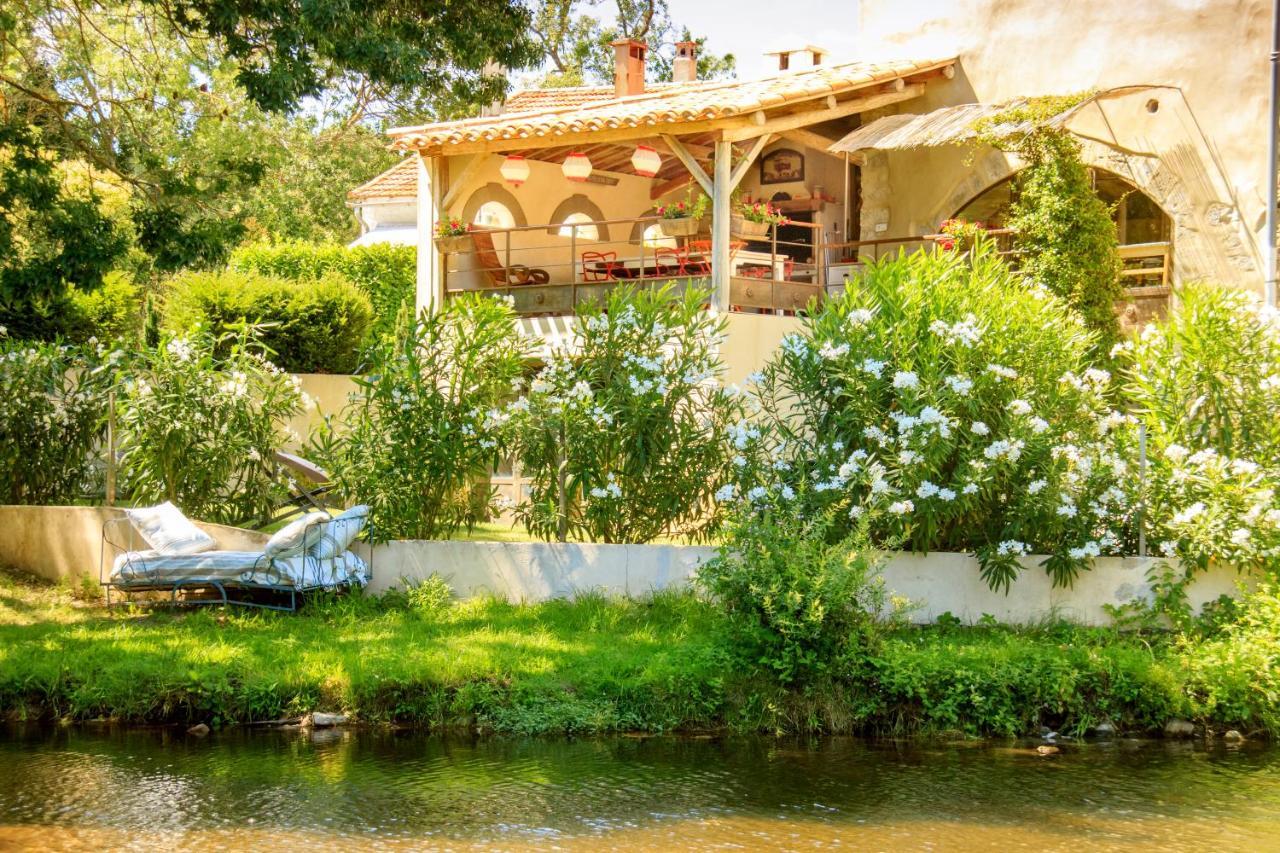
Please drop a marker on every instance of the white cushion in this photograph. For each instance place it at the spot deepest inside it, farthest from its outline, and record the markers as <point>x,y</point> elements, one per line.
<point>288,540</point>
<point>168,531</point>
<point>340,532</point>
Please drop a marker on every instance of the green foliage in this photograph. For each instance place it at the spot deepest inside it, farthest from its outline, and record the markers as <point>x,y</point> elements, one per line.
<point>1236,676</point>
<point>420,434</point>
<point>622,433</point>
<point>952,405</point>
<point>199,429</point>
<point>1206,384</point>
<point>386,273</point>
<point>51,239</point>
<point>1064,232</point>
<point>112,314</point>
<point>53,407</point>
<point>306,326</point>
<point>799,595</point>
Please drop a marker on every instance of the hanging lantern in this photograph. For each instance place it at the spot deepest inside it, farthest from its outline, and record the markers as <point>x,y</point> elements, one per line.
<point>515,170</point>
<point>646,161</point>
<point>576,167</point>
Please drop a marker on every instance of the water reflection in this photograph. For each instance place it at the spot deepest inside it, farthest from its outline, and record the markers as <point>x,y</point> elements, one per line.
<point>138,789</point>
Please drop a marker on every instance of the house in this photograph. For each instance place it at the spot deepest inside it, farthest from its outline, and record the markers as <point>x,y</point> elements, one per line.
<point>864,157</point>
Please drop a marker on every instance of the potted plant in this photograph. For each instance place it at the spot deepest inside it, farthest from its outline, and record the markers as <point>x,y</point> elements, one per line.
<point>957,235</point>
<point>753,218</point>
<point>682,218</point>
<point>453,235</point>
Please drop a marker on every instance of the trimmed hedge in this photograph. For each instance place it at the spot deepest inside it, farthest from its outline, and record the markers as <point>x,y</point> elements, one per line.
<point>311,326</point>
<point>386,273</point>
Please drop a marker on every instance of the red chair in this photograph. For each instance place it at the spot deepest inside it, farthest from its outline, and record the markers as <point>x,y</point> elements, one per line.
<point>702,265</point>
<point>671,261</point>
<point>602,266</point>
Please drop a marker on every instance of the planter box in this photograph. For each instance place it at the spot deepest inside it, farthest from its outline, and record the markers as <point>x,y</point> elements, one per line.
<point>749,229</point>
<point>685,226</point>
<point>455,244</point>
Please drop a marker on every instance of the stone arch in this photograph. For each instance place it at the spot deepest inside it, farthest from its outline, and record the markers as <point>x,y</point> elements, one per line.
<point>578,203</point>
<point>494,191</point>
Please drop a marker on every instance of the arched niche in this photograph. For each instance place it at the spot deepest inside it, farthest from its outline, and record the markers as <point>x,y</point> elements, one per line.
<point>494,192</point>
<point>580,204</point>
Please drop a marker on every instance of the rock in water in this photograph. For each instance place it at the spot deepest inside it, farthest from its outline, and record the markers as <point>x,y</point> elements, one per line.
<point>1179,728</point>
<point>1047,750</point>
<point>1106,728</point>
<point>321,720</point>
<point>1232,736</point>
<point>198,729</point>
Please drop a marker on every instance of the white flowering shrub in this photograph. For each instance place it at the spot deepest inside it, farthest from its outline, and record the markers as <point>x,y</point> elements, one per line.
<point>200,430</point>
<point>623,433</point>
<point>1206,384</point>
<point>419,438</point>
<point>951,403</point>
<point>53,407</point>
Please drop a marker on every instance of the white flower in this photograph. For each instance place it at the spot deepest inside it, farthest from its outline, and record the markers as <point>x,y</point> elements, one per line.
<point>1036,486</point>
<point>979,428</point>
<point>1240,536</point>
<point>1012,548</point>
<point>860,316</point>
<point>960,385</point>
<point>1020,407</point>
<point>757,493</point>
<point>739,461</point>
<point>905,379</point>
<point>1002,372</point>
<point>1067,509</point>
<point>909,457</point>
<point>1189,513</point>
<point>787,492</point>
<point>875,368</point>
<point>901,507</point>
<point>1002,448</point>
<point>970,489</point>
<point>1169,549</point>
<point>947,495</point>
<point>726,492</point>
<point>831,352</point>
<point>795,345</point>
<point>1039,425</point>
<point>1175,453</point>
<point>755,378</point>
<point>855,511</point>
<point>1088,549</point>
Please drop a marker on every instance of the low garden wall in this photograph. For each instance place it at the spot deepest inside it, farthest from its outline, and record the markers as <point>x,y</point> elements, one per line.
<point>64,544</point>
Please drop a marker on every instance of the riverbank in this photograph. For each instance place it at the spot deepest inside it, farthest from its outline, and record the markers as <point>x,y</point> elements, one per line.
<point>597,665</point>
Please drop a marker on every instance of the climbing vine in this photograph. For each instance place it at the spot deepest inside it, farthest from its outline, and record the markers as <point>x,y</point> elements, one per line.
<point>1065,233</point>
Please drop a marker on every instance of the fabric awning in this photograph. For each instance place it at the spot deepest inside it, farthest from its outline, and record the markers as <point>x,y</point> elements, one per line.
<point>951,125</point>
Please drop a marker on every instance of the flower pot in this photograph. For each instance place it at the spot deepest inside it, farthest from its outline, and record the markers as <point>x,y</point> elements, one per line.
<point>749,229</point>
<point>454,243</point>
<point>685,226</point>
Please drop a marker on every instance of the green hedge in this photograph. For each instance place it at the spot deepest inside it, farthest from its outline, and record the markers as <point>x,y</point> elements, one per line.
<point>111,312</point>
<point>387,274</point>
<point>314,326</point>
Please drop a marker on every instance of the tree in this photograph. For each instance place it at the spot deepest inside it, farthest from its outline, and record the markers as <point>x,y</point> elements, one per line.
<point>577,44</point>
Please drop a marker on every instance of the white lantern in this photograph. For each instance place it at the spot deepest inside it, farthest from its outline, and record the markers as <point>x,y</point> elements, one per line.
<point>646,161</point>
<point>577,167</point>
<point>515,170</point>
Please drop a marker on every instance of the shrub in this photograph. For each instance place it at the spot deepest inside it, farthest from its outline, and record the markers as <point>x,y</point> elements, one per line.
<point>53,406</point>
<point>1064,231</point>
<point>308,326</point>
<point>798,592</point>
<point>200,429</point>
<point>952,403</point>
<point>112,313</point>
<point>386,273</point>
<point>420,432</point>
<point>1206,384</point>
<point>623,433</point>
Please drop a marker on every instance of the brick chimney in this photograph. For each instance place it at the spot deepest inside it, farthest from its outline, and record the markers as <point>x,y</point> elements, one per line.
<point>628,67</point>
<point>685,67</point>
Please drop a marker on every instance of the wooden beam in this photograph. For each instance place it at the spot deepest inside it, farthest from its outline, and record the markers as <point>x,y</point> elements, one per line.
<point>792,121</point>
<point>658,190</point>
<point>695,169</point>
<point>808,138</point>
<point>455,186</point>
<point>741,170</point>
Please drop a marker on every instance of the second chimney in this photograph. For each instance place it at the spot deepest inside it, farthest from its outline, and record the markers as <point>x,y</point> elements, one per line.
<point>628,67</point>
<point>685,67</point>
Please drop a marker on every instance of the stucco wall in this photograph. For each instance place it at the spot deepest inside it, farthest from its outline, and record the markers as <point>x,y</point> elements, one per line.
<point>1202,159</point>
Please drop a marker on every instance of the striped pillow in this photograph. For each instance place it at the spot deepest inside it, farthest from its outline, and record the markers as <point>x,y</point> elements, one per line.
<point>288,540</point>
<point>340,532</point>
<point>168,531</point>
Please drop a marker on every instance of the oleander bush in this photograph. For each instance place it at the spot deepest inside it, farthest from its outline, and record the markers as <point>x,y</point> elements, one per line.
<point>385,273</point>
<point>954,405</point>
<point>623,432</point>
<point>53,407</point>
<point>198,421</point>
<point>419,437</point>
<point>1206,385</point>
<point>308,326</point>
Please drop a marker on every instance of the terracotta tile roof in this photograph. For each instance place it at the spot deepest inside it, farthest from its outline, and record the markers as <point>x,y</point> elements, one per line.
<point>669,105</point>
<point>540,100</point>
<point>400,181</point>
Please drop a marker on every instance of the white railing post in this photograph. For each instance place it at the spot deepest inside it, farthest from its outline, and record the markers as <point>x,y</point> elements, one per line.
<point>721,188</point>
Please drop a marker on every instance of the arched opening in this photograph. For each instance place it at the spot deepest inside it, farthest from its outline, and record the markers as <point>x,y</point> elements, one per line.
<point>494,214</point>
<point>1137,216</point>
<point>579,210</point>
<point>493,206</point>
<point>586,230</point>
<point>653,237</point>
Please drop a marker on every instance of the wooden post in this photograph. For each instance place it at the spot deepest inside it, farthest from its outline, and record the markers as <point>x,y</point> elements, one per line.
<point>429,296</point>
<point>720,212</point>
<point>110,476</point>
<point>573,268</point>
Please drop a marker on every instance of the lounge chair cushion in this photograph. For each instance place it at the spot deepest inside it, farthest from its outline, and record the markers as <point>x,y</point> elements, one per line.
<point>339,533</point>
<point>245,568</point>
<point>287,541</point>
<point>168,531</point>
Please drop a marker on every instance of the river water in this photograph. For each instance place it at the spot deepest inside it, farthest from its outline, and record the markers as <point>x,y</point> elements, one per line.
<point>143,789</point>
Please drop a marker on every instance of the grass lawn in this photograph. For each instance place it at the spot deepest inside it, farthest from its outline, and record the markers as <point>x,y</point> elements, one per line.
<point>597,665</point>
